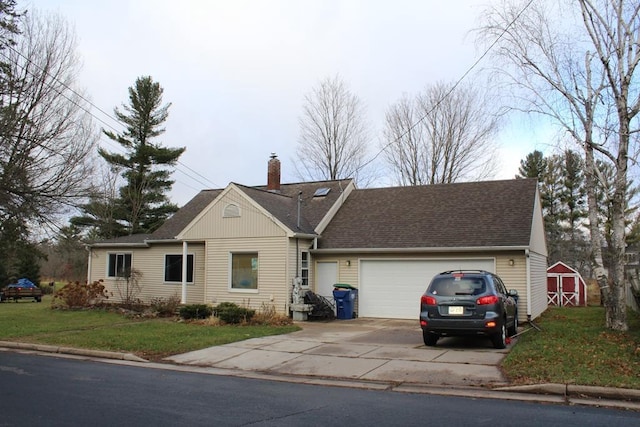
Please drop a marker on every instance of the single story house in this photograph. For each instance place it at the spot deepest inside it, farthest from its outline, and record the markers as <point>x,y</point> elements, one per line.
<point>248,244</point>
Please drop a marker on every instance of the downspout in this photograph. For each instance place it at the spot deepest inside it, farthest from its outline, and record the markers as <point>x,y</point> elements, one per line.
<point>89,265</point>
<point>528,264</point>
<point>183,299</point>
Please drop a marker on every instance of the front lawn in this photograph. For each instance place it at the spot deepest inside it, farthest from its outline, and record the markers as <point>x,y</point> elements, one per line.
<point>575,348</point>
<point>153,339</point>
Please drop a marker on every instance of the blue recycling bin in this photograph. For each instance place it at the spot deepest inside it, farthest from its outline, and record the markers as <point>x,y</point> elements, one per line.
<point>345,301</point>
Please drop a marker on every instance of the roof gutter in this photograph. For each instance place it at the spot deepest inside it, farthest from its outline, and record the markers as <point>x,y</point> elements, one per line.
<point>118,245</point>
<point>304,236</point>
<point>419,250</point>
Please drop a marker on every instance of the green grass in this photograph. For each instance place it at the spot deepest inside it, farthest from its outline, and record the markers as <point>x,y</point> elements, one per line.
<point>152,339</point>
<point>575,348</point>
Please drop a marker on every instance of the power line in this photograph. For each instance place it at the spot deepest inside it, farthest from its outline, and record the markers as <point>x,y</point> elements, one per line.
<point>88,111</point>
<point>453,87</point>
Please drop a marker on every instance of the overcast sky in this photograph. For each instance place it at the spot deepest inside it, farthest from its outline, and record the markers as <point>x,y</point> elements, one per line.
<point>236,71</point>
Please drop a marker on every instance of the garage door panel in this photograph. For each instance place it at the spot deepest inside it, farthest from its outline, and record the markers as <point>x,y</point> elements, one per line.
<point>392,288</point>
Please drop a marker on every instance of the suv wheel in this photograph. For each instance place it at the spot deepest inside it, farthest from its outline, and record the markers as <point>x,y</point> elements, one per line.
<point>514,329</point>
<point>429,338</point>
<point>500,339</point>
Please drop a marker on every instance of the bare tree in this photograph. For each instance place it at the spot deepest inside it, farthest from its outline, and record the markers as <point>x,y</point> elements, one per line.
<point>575,61</point>
<point>443,135</point>
<point>100,214</point>
<point>47,135</point>
<point>333,134</point>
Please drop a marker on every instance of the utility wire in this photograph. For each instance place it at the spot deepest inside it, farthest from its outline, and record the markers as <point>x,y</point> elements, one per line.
<point>88,111</point>
<point>453,87</point>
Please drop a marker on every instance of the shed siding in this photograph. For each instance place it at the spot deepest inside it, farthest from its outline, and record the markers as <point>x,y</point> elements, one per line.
<point>252,222</point>
<point>150,263</point>
<point>538,267</point>
<point>273,286</point>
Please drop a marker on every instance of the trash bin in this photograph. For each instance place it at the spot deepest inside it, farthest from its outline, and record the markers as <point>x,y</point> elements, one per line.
<point>345,296</point>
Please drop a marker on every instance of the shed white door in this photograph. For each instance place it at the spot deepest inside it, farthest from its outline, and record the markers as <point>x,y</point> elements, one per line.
<point>327,276</point>
<point>392,288</point>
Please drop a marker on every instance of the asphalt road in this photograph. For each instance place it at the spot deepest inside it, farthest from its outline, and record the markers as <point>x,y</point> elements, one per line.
<point>50,391</point>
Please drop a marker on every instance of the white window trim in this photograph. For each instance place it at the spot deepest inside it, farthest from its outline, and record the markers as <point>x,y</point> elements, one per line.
<point>307,268</point>
<point>109,253</point>
<point>230,273</point>
<point>164,267</point>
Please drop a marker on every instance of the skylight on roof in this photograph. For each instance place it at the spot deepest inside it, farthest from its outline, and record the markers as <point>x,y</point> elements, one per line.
<point>321,192</point>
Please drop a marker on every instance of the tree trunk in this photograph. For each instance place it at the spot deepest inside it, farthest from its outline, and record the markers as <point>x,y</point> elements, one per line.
<point>594,228</point>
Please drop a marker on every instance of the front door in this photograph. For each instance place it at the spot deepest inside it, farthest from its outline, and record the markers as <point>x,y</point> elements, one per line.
<point>327,277</point>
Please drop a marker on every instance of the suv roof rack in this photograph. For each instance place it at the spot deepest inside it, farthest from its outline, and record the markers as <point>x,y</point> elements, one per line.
<point>465,271</point>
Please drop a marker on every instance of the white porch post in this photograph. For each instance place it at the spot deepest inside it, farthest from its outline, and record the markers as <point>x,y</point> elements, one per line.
<point>184,273</point>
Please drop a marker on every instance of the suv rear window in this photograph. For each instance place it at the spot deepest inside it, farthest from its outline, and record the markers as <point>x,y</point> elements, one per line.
<point>452,286</point>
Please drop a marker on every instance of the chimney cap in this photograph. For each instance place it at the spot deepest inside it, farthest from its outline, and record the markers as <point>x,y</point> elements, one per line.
<point>273,156</point>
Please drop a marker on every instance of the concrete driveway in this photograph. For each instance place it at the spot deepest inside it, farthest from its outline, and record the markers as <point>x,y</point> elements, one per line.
<point>360,349</point>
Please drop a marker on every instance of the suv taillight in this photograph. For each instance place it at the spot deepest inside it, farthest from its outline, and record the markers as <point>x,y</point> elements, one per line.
<point>427,300</point>
<point>491,299</point>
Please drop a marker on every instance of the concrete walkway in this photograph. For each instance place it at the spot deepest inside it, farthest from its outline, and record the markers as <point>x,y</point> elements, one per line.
<point>360,349</point>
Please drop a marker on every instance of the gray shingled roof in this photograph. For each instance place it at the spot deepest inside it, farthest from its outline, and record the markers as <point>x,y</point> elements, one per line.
<point>282,205</point>
<point>174,225</point>
<point>461,215</point>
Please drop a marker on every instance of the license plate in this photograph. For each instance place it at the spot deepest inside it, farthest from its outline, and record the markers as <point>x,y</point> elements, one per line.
<point>456,310</point>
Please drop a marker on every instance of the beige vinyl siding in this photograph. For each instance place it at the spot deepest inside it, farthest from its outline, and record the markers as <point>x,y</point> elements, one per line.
<point>513,276</point>
<point>150,263</point>
<point>252,222</point>
<point>295,259</point>
<point>273,286</point>
<point>538,271</point>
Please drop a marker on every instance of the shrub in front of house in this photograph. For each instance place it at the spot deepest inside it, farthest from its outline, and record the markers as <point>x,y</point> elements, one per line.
<point>165,307</point>
<point>267,315</point>
<point>80,295</point>
<point>232,313</point>
<point>195,311</point>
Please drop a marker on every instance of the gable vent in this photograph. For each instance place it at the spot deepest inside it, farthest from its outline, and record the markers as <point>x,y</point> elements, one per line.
<point>231,211</point>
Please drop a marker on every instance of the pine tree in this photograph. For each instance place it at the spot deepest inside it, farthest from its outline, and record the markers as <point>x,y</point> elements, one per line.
<point>533,166</point>
<point>143,204</point>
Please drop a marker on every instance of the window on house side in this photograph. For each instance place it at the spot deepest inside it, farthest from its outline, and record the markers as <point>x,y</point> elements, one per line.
<point>304,268</point>
<point>119,265</point>
<point>173,268</point>
<point>244,271</point>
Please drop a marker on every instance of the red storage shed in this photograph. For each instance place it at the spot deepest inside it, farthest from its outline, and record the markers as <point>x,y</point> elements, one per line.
<point>565,286</point>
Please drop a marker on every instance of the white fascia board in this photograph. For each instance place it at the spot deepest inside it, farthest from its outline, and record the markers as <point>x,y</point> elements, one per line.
<point>118,245</point>
<point>335,208</point>
<point>415,250</point>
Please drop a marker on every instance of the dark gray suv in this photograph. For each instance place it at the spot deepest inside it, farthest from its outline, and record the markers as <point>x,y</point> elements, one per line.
<point>468,302</point>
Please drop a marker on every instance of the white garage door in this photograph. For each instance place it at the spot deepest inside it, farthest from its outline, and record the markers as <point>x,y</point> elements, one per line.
<point>392,288</point>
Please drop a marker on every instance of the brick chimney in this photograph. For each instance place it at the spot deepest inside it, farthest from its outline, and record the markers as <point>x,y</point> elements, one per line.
<point>273,174</point>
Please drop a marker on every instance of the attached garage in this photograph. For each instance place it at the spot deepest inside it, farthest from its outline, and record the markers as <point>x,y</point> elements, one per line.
<point>392,288</point>
<point>390,242</point>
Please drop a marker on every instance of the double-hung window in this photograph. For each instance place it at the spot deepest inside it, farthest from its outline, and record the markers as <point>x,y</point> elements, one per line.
<point>119,265</point>
<point>304,268</point>
<point>173,268</point>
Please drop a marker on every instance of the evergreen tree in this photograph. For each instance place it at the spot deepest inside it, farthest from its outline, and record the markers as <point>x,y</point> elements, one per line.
<point>533,166</point>
<point>143,205</point>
